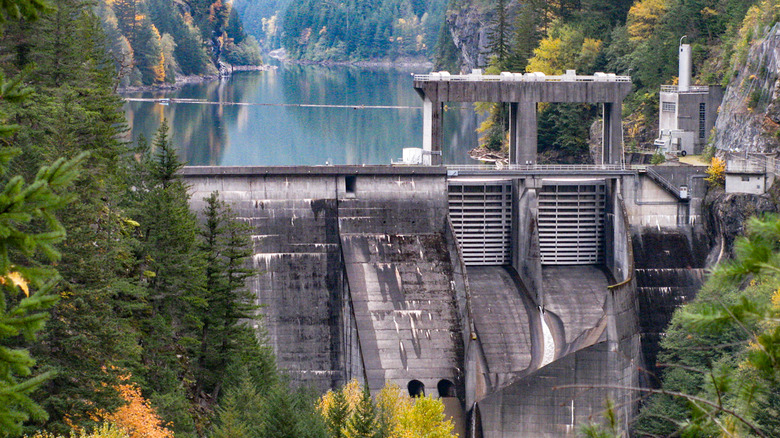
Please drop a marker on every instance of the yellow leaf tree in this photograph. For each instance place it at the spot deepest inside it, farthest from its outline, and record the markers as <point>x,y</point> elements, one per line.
<point>643,17</point>
<point>716,173</point>
<point>397,414</point>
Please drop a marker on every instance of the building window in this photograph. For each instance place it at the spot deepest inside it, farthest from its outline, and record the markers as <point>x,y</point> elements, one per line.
<point>702,120</point>
<point>745,178</point>
<point>668,107</point>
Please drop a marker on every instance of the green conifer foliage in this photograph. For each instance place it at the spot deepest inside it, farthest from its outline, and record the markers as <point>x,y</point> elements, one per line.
<point>170,268</point>
<point>363,423</point>
<point>226,246</point>
<point>337,417</point>
<point>240,412</point>
<point>22,205</point>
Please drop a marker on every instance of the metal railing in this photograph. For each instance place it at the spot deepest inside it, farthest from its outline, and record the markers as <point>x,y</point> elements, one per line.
<point>691,89</point>
<point>668,185</point>
<point>539,167</point>
<point>520,77</point>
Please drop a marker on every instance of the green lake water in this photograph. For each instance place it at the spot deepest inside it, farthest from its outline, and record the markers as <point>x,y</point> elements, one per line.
<point>261,134</point>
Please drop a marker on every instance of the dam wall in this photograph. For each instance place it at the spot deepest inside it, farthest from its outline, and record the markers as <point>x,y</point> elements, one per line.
<point>356,276</point>
<point>361,275</point>
<point>670,270</point>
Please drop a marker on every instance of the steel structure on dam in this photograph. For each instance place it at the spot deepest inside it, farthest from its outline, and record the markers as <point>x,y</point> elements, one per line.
<point>377,273</point>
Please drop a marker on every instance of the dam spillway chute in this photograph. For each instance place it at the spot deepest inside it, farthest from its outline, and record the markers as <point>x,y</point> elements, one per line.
<point>571,221</point>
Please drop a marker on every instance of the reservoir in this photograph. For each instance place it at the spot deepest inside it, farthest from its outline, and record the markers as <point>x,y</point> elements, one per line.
<point>269,129</point>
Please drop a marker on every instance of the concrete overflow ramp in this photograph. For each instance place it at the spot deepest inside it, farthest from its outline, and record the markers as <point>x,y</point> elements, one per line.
<point>574,298</point>
<point>401,283</point>
<point>508,323</point>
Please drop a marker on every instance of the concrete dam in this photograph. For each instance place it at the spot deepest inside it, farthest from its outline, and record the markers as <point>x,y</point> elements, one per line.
<point>512,294</point>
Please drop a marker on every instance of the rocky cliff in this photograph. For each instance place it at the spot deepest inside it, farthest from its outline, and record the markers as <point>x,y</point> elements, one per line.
<point>726,214</point>
<point>749,117</point>
<point>469,23</point>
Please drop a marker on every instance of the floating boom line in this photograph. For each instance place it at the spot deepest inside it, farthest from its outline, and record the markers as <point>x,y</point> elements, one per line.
<point>299,105</point>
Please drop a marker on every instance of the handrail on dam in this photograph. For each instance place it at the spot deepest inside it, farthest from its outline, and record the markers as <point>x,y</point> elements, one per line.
<point>541,167</point>
<point>521,77</point>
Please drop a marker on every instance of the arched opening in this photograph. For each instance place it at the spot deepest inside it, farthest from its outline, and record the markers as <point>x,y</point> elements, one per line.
<point>446,388</point>
<point>416,388</point>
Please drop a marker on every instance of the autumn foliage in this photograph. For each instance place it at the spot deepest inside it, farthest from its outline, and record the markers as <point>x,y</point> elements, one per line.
<point>137,416</point>
<point>716,173</point>
<point>395,414</point>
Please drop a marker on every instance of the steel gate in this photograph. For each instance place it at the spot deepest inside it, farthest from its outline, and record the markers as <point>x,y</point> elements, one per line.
<point>571,222</point>
<point>481,214</point>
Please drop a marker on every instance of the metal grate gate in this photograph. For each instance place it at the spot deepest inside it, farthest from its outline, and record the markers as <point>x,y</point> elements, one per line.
<point>571,222</point>
<point>481,214</point>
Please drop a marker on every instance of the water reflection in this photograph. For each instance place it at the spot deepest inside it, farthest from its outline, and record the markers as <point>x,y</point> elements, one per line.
<point>279,135</point>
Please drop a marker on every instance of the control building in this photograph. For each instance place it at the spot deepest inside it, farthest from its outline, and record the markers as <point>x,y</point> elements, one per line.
<point>687,112</point>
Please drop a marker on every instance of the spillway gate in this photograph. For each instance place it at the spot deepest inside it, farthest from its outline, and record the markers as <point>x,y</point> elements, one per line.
<point>481,214</point>
<point>570,220</point>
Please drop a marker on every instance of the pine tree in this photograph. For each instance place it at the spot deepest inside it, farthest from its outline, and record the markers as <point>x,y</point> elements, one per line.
<point>240,413</point>
<point>337,415</point>
<point>281,420</point>
<point>363,423</point>
<point>22,317</point>
<point>90,332</point>
<point>499,36</point>
<point>170,267</point>
<point>226,245</point>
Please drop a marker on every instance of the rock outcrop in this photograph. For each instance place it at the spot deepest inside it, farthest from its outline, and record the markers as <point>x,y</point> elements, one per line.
<point>726,215</point>
<point>749,118</point>
<point>469,23</point>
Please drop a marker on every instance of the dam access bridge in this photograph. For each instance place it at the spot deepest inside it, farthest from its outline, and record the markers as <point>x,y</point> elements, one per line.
<point>510,293</point>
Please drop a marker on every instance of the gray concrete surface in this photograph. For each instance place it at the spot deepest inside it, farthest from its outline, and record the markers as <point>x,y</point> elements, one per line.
<point>507,322</point>
<point>574,300</point>
<point>523,96</point>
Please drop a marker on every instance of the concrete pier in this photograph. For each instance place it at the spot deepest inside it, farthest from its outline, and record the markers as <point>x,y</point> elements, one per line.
<point>523,92</point>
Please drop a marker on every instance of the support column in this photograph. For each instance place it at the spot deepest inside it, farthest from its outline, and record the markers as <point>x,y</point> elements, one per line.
<point>432,132</point>
<point>612,134</point>
<point>525,141</point>
<point>513,134</point>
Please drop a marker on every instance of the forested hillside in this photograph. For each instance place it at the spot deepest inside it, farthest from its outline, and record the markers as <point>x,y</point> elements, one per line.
<point>638,38</point>
<point>261,19</point>
<point>146,306</point>
<point>153,41</point>
<point>357,30</point>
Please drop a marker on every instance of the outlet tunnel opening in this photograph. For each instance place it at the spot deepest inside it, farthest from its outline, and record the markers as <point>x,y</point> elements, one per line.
<point>416,388</point>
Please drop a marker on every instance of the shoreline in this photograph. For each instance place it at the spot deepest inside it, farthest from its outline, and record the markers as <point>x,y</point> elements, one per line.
<point>192,79</point>
<point>402,63</point>
<point>282,57</point>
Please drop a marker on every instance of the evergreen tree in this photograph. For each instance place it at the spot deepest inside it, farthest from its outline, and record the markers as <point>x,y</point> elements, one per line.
<point>71,108</point>
<point>499,36</point>
<point>363,423</point>
<point>170,268</point>
<point>226,245</point>
<point>22,205</point>
<point>240,413</point>
<point>280,417</point>
<point>338,415</point>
